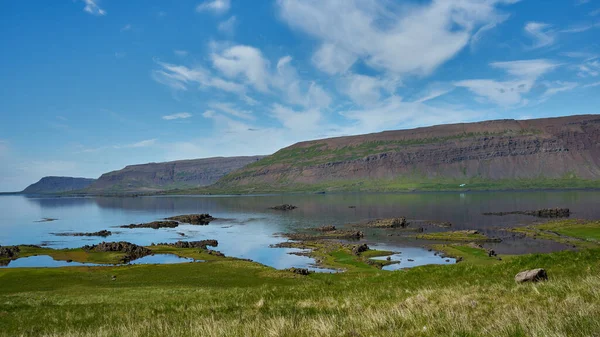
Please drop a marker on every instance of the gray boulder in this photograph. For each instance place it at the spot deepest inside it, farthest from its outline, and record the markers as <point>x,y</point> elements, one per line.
<point>534,275</point>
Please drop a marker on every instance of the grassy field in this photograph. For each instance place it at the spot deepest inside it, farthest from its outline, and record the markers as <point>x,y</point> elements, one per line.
<point>229,297</point>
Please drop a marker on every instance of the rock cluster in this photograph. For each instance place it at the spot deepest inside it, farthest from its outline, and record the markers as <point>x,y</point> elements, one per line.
<point>541,213</point>
<point>284,207</point>
<point>358,249</point>
<point>193,219</point>
<point>103,233</point>
<point>132,251</point>
<point>534,275</point>
<point>299,271</point>
<point>9,251</point>
<point>154,225</point>
<point>325,228</point>
<point>191,244</point>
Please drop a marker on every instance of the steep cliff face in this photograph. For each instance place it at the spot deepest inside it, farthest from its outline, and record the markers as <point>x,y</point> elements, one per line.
<point>48,185</point>
<point>501,149</point>
<point>169,175</point>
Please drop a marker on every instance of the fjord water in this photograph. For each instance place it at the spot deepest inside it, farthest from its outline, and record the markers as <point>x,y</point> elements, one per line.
<point>247,227</point>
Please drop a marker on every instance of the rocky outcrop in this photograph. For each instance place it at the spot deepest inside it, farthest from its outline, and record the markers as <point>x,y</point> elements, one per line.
<point>169,175</point>
<point>153,225</point>
<point>358,249</point>
<point>102,233</point>
<point>540,213</point>
<point>49,185</point>
<point>299,271</point>
<point>193,219</point>
<point>191,244</point>
<point>132,251</point>
<point>9,252</point>
<point>534,275</point>
<point>325,228</point>
<point>284,207</point>
<point>501,149</point>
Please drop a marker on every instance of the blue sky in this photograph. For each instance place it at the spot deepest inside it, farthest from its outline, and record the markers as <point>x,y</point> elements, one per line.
<point>89,86</point>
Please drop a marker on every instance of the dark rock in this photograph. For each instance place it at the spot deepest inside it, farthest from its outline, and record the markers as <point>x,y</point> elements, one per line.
<point>534,275</point>
<point>357,249</point>
<point>389,258</point>
<point>299,271</point>
<point>410,260</point>
<point>541,213</point>
<point>191,244</point>
<point>9,252</point>
<point>193,219</point>
<point>491,253</point>
<point>284,207</point>
<point>351,206</point>
<point>102,233</point>
<point>325,228</point>
<point>215,253</point>
<point>132,251</point>
<point>154,225</point>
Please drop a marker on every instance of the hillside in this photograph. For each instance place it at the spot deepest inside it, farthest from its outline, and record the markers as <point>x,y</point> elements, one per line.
<point>48,185</point>
<point>550,152</point>
<point>169,175</point>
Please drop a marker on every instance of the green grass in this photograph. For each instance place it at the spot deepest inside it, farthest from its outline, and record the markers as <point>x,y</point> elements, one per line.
<point>578,233</point>
<point>239,298</point>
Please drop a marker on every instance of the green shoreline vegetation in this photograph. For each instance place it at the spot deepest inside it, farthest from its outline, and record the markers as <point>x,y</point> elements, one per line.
<point>228,297</point>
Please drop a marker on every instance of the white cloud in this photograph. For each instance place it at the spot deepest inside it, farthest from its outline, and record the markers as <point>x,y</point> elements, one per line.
<point>215,6</point>
<point>180,77</point>
<point>125,28</point>
<point>488,27</point>
<point>510,92</point>
<point>228,26</point>
<point>595,12</point>
<point>591,85</point>
<point>245,62</point>
<point>589,68</point>
<point>541,34</point>
<point>580,28</point>
<point>556,87</point>
<point>365,90</point>
<point>297,120</point>
<point>232,110</point>
<point>332,60</point>
<point>401,39</point>
<point>143,143</point>
<point>180,115</point>
<point>91,6</point>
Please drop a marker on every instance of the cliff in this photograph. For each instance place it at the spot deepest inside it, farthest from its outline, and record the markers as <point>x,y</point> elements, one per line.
<point>526,150</point>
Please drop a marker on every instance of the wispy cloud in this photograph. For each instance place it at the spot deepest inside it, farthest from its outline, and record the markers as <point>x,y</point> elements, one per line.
<point>228,26</point>
<point>508,93</point>
<point>125,28</point>
<point>541,34</point>
<point>214,6</point>
<point>591,85</point>
<point>91,6</point>
<point>180,115</point>
<point>232,110</point>
<point>595,12</point>
<point>140,144</point>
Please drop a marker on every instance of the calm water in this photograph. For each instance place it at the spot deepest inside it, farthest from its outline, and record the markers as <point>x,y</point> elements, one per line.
<point>49,262</point>
<point>247,227</point>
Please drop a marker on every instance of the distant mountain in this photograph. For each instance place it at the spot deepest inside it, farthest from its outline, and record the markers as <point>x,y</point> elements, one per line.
<point>49,185</point>
<point>154,177</point>
<point>520,154</point>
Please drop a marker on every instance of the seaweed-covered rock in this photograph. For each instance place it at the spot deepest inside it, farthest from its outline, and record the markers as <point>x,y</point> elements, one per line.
<point>284,207</point>
<point>357,249</point>
<point>191,244</point>
<point>193,219</point>
<point>215,253</point>
<point>154,225</point>
<point>534,275</point>
<point>132,251</point>
<point>386,223</point>
<point>9,252</point>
